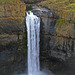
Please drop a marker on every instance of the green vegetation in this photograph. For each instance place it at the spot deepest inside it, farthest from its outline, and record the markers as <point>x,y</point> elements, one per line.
<point>72,22</point>
<point>60,22</point>
<point>73,4</point>
<point>5,0</point>
<point>64,8</point>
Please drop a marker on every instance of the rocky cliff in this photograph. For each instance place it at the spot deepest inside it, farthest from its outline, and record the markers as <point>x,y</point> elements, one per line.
<point>12,15</point>
<point>65,25</point>
<point>52,43</point>
<point>62,43</point>
<point>12,44</point>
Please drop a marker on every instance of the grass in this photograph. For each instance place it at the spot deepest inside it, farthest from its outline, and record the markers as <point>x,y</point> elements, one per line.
<point>60,22</point>
<point>72,22</point>
<point>5,0</point>
<point>61,7</point>
<point>73,4</point>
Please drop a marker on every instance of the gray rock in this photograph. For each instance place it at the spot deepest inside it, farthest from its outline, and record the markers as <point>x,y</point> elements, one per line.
<point>48,19</point>
<point>51,44</point>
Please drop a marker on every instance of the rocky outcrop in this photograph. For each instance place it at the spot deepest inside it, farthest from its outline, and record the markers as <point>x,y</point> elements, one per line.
<point>12,15</point>
<point>51,44</point>
<point>12,44</point>
<point>65,29</point>
<point>48,19</point>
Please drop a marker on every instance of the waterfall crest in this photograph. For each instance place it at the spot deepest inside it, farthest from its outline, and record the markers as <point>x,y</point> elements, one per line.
<point>33,30</point>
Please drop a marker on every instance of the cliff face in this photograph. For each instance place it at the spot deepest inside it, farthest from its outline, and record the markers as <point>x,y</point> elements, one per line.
<point>61,44</point>
<point>12,15</point>
<point>12,46</point>
<point>52,44</point>
<point>65,25</point>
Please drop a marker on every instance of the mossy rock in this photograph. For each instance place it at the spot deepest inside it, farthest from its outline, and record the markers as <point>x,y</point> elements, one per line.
<point>60,22</point>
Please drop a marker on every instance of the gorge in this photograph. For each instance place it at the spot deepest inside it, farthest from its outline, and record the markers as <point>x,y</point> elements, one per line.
<point>57,36</point>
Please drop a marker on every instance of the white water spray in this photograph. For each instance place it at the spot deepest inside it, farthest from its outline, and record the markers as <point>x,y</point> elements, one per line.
<point>33,30</point>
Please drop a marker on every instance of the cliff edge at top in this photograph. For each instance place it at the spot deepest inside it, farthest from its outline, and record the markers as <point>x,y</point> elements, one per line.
<point>65,9</point>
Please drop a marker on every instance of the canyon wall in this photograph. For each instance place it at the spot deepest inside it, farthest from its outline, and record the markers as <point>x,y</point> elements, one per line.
<point>55,41</point>
<point>12,44</point>
<point>12,14</point>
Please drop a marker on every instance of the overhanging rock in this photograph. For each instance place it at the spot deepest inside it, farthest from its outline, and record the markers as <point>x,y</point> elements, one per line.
<point>48,19</point>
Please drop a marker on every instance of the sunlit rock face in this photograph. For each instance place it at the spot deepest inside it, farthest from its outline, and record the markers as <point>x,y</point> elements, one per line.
<point>52,43</point>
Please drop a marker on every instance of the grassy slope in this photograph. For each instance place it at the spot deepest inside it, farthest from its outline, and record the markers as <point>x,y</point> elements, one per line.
<point>64,8</point>
<point>5,0</point>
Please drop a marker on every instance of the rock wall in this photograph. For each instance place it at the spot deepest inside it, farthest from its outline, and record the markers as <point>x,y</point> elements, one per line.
<point>51,43</point>
<point>12,41</point>
<point>12,15</point>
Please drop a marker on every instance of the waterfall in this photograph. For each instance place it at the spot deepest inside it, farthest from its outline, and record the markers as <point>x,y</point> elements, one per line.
<point>33,30</point>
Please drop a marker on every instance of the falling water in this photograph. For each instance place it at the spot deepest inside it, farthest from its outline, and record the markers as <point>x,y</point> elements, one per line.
<point>33,29</point>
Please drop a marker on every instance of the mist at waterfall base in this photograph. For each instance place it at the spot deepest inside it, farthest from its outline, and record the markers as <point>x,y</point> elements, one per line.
<point>33,32</point>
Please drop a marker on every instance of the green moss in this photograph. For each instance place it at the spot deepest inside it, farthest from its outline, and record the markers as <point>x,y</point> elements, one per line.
<point>73,4</point>
<point>5,0</point>
<point>72,22</point>
<point>60,22</point>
